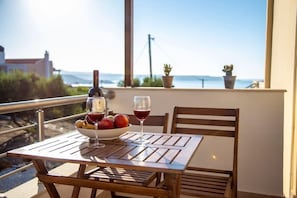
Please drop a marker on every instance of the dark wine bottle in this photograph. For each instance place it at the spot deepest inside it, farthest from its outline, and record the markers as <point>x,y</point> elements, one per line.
<point>95,90</point>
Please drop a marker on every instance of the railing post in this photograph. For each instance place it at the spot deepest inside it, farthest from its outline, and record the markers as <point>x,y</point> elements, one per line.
<point>40,124</point>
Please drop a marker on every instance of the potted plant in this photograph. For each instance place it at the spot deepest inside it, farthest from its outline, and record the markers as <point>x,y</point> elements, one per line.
<point>229,80</point>
<point>167,79</point>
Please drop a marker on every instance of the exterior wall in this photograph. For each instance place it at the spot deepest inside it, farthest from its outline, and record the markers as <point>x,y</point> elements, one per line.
<point>2,58</point>
<point>283,75</point>
<point>260,163</point>
<point>38,68</point>
<point>12,67</point>
<point>42,67</point>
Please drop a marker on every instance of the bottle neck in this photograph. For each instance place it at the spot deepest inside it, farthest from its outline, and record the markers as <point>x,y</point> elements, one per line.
<point>95,79</point>
<point>95,90</point>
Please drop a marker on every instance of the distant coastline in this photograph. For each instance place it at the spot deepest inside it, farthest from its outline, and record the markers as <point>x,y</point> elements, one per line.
<point>76,79</point>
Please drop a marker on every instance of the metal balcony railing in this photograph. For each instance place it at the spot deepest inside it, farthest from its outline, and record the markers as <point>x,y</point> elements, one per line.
<point>38,105</point>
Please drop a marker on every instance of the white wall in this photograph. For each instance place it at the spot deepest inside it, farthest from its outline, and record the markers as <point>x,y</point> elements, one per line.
<point>261,128</point>
<point>282,73</point>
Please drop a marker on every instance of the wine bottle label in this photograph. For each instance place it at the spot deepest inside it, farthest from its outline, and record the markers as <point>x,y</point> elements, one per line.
<point>98,104</point>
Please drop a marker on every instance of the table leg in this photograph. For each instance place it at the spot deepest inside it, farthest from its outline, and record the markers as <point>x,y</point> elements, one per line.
<point>80,174</point>
<point>41,170</point>
<point>172,181</point>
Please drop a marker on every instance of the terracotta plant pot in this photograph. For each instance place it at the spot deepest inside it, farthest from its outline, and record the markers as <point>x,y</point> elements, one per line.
<point>167,81</point>
<point>229,81</point>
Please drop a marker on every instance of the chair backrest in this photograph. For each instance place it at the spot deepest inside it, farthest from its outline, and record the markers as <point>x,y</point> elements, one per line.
<point>205,121</point>
<point>221,122</point>
<point>152,120</point>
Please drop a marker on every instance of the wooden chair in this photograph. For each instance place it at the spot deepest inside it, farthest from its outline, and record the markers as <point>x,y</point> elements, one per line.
<point>152,120</point>
<point>220,122</point>
<point>121,175</point>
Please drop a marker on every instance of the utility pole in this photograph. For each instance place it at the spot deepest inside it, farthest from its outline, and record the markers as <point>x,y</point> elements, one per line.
<point>150,55</point>
<point>202,81</point>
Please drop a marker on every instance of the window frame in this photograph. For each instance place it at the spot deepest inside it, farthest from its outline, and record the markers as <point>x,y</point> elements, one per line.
<point>129,30</point>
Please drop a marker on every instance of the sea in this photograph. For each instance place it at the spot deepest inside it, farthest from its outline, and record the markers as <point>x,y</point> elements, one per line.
<point>76,79</point>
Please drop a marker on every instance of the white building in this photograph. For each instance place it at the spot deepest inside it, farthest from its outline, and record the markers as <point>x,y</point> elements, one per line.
<point>41,66</point>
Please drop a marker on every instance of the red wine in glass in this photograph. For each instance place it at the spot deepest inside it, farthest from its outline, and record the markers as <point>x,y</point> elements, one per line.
<point>96,107</point>
<point>94,117</point>
<point>141,109</point>
<point>141,114</point>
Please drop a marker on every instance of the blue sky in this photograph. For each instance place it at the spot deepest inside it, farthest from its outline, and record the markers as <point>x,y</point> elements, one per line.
<point>197,37</point>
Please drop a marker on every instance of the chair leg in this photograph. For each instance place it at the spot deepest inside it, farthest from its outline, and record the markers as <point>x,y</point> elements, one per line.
<point>113,195</point>
<point>158,180</point>
<point>94,191</point>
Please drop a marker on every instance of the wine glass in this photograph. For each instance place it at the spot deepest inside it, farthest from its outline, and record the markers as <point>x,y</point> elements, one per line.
<point>141,108</point>
<point>96,111</point>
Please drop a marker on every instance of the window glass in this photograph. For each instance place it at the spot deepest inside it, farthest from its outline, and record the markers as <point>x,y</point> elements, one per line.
<point>199,37</point>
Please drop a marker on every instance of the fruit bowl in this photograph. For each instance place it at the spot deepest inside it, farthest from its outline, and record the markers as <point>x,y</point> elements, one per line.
<point>104,134</point>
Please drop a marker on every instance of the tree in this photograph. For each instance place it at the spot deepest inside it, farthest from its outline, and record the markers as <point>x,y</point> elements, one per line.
<point>154,82</point>
<point>19,86</point>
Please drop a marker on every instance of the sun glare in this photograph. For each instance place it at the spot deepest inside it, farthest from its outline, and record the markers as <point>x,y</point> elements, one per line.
<point>43,11</point>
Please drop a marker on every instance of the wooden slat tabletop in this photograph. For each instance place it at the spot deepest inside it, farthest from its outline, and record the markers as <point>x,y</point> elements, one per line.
<point>165,152</point>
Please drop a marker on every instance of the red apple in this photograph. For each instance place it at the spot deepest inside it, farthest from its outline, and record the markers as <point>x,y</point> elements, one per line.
<point>121,120</point>
<point>106,123</point>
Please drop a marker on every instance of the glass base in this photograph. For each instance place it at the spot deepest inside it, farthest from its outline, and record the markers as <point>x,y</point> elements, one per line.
<point>141,141</point>
<point>94,143</point>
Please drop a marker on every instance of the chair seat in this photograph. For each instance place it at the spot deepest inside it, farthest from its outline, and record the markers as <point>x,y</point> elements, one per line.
<point>201,185</point>
<point>121,175</point>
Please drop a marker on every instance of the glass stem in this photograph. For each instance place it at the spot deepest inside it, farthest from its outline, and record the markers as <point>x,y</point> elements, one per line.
<point>96,135</point>
<point>141,129</point>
